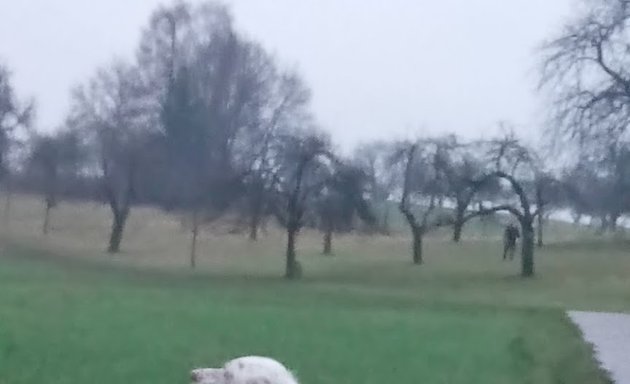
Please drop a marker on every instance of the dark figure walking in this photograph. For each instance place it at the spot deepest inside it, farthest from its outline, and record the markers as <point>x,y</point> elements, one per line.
<point>510,236</point>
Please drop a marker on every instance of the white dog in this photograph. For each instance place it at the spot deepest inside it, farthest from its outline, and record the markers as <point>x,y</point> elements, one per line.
<point>245,370</point>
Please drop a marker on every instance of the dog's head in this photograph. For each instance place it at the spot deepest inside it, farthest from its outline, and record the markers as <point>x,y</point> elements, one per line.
<point>209,376</point>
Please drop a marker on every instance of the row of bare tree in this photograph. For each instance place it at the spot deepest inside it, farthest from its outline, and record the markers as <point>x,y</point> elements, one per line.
<point>205,122</point>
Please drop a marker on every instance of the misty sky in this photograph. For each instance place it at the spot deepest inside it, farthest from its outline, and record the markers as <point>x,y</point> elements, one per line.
<point>378,68</point>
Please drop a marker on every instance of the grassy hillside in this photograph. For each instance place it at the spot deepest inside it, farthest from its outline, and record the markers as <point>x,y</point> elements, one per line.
<point>70,313</point>
<point>64,323</point>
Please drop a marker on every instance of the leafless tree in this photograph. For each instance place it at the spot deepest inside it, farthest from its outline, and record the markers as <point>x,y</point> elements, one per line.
<point>15,121</point>
<point>14,115</point>
<point>585,67</point>
<point>600,192</point>
<point>374,160</point>
<point>423,183</point>
<point>548,194</point>
<point>113,113</point>
<point>286,103</point>
<point>306,168</point>
<point>514,165</point>
<point>460,163</point>
<point>342,202</point>
<point>221,99</point>
<point>54,159</point>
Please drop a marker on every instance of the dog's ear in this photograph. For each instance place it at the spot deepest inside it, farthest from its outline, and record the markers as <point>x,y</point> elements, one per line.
<point>208,376</point>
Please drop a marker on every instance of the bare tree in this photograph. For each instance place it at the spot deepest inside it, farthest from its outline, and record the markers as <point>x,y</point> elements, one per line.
<point>599,192</point>
<point>614,173</point>
<point>221,99</point>
<point>341,202</point>
<point>585,68</point>
<point>113,113</point>
<point>422,186</point>
<point>55,159</point>
<point>307,167</point>
<point>286,103</point>
<point>549,194</point>
<point>460,163</point>
<point>513,161</point>
<point>373,160</point>
<point>15,116</point>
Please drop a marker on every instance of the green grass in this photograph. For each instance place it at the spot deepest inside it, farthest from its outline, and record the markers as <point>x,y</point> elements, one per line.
<point>71,314</point>
<point>64,324</point>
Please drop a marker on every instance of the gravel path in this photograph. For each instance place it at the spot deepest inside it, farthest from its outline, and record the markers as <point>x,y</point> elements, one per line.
<point>610,335</point>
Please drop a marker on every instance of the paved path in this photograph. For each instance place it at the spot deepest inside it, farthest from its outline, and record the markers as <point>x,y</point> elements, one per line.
<point>610,335</point>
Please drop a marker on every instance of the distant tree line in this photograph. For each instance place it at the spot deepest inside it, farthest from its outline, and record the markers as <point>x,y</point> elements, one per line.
<point>205,122</point>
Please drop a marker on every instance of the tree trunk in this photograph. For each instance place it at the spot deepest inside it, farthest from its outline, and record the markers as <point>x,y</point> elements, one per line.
<point>327,242</point>
<point>457,231</point>
<point>263,226</point>
<point>118,227</point>
<point>614,218</point>
<point>254,224</point>
<point>417,231</point>
<point>193,240</point>
<point>576,219</point>
<point>256,210</point>
<point>8,199</point>
<point>417,234</point>
<point>292,269</point>
<point>540,229</point>
<point>603,225</point>
<point>46,222</point>
<point>458,225</point>
<point>385,222</point>
<point>527,250</point>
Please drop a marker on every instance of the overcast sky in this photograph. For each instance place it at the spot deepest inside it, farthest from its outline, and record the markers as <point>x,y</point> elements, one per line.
<point>378,68</point>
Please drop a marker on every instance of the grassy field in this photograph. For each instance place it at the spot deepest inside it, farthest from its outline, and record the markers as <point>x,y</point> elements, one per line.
<point>69,313</point>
